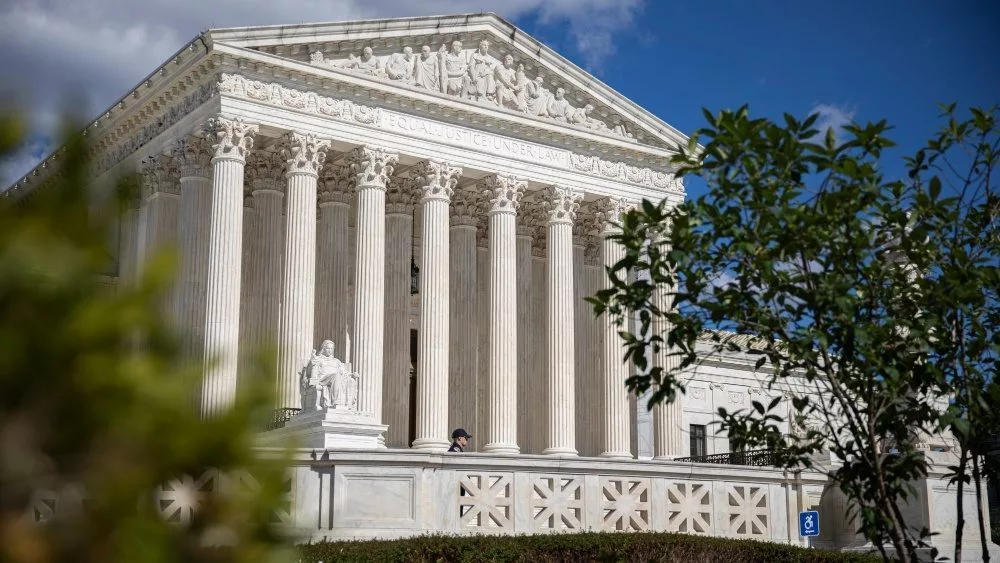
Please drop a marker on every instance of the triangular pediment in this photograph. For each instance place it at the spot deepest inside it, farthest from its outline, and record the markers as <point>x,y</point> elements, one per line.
<point>479,59</point>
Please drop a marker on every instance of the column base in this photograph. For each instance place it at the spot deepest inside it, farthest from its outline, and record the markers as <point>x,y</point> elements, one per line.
<point>665,457</point>
<point>560,452</point>
<point>430,444</point>
<point>615,455</point>
<point>501,449</point>
<point>327,429</point>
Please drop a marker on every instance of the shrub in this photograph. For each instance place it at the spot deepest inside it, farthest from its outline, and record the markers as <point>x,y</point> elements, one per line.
<point>553,548</point>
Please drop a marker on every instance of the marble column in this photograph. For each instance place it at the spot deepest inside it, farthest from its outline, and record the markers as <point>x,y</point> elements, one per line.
<point>234,139</point>
<point>373,166</point>
<point>562,203</point>
<point>505,197</point>
<point>128,244</point>
<point>400,198</point>
<point>593,374</point>
<point>305,155</point>
<point>336,190</point>
<point>267,173</point>
<point>527,334</point>
<point>616,424</point>
<point>537,407</point>
<point>249,294</point>
<point>161,189</point>
<point>667,417</point>
<point>436,181</point>
<point>463,310</point>
<point>580,342</point>
<point>194,154</point>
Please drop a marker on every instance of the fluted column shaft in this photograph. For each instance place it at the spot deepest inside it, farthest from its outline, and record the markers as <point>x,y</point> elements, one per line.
<point>128,253</point>
<point>249,294</point>
<point>398,256</point>
<point>505,196</point>
<point>225,249</point>
<point>373,167</point>
<point>195,216</point>
<point>463,365</point>
<point>616,425</point>
<point>305,155</point>
<point>331,273</point>
<point>667,418</point>
<point>531,420</point>
<point>563,203</point>
<point>269,270</point>
<point>436,181</point>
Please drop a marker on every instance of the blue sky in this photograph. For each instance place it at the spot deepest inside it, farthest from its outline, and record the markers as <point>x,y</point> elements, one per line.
<point>867,60</point>
<point>850,59</point>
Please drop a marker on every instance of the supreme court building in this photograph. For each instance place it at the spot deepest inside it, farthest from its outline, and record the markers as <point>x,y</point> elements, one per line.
<point>433,196</point>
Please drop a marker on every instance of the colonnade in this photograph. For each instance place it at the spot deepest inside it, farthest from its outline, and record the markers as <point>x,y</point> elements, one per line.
<point>266,257</point>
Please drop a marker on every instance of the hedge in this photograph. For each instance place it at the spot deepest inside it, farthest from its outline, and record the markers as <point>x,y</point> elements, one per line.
<point>590,546</point>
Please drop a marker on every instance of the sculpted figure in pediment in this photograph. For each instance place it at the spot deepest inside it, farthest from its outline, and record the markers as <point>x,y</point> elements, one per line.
<point>401,65</point>
<point>537,99</point>
<point>456,70</point>
<point>367,63</point>
<point>581,116</point>
<point>523,84</point>
<point>508,83</point>
<point>481,84</point>
<point>426,70</point>
<point>559,107</point>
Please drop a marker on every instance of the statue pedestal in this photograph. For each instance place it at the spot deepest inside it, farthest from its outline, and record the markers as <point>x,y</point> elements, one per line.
<point>331,429</point>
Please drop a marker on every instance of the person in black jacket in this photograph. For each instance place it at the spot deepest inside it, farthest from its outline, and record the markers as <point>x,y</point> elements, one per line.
<point>459,440</point>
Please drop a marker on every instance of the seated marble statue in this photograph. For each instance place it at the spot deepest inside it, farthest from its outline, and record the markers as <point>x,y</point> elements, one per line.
<point>334,383</point>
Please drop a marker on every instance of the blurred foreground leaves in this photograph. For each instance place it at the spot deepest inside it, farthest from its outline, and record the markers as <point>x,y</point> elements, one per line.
<point>97,410</point>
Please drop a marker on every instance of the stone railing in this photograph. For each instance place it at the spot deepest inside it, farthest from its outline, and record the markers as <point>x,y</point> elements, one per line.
<point>397,493</point>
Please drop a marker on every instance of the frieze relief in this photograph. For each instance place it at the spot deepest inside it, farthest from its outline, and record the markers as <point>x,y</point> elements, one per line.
<point>277,95</point>
<point>478,75</point>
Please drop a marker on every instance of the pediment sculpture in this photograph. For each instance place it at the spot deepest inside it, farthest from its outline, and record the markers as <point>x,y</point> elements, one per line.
<point>476,75</point>
<point>328,383</point>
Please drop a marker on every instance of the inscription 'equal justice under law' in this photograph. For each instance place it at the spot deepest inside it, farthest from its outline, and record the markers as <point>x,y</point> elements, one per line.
<point>498,145</point>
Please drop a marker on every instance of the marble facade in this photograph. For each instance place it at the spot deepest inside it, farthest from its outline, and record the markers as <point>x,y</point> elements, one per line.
<point>433,196</point>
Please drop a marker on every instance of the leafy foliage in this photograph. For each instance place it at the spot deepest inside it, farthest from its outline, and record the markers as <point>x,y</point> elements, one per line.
<point>571,547</point>
<point>94,400</point>
<point>860,295</point>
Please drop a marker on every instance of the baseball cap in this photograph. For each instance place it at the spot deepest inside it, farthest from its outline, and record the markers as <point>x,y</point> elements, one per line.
<point>460,433</point>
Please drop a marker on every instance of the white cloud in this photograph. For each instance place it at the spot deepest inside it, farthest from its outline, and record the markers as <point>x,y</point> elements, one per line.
<point>832,117</point>
<point>99,49</point>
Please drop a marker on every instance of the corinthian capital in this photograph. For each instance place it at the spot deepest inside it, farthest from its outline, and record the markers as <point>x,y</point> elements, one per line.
<point>194,154</point>
<point>234,137</point>
<point>436,179</point>
<point>466,207</point>
<point>304,153</point>
<point>561,203</point>
<point>504,192</point>
<point>609,212</point>
<point>336,183</point>
<point>159,174</point>
<point>265,170</point>
<point>400,195</point>
<point>373,166</point>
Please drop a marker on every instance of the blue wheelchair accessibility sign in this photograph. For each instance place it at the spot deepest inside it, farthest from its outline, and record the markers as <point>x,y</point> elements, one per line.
<point>808,523</point>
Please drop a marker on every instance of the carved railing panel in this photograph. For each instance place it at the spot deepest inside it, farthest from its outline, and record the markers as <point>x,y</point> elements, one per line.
<point>749,513</point>
<point>486,501</point>
<point>624,504</point>
<point>689,507</point>
<point>557,502</point>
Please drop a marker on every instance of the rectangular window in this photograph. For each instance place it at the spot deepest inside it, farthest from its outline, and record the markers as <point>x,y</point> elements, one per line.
<point>698,440</point>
